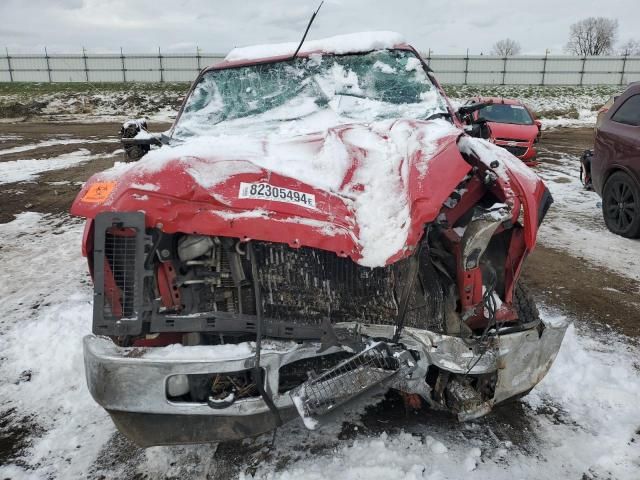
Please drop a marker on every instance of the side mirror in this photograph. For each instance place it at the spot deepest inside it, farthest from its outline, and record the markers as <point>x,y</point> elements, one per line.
<point>539,125</point>
<point>136,139</point>
<point>478,130</point>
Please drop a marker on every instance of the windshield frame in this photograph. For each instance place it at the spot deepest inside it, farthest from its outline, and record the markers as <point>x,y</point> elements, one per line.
<point>453,118</point>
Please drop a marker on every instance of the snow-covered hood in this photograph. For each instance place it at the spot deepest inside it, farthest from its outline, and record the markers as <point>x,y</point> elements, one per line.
<point>360,190</point>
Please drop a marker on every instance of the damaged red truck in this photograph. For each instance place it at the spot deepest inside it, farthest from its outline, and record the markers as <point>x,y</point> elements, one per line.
<point>311,227</point>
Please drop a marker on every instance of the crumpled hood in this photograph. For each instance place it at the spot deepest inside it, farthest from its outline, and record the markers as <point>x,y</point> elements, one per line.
<point>368,190</point>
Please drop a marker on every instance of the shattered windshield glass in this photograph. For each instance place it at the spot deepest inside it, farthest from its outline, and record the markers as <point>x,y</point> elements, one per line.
<point>312,93</point>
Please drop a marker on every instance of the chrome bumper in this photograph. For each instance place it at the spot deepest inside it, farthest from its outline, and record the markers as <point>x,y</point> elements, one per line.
<point>123,379</point>
<point>132,386</point>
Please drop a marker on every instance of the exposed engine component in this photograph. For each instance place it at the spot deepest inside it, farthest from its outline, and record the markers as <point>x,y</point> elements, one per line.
<point>193,246</point>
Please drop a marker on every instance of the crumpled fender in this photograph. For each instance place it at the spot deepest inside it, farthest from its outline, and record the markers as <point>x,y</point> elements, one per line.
<point>517,177</point>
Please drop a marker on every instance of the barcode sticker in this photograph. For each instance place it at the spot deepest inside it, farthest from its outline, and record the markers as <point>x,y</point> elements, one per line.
<point>265,191</point>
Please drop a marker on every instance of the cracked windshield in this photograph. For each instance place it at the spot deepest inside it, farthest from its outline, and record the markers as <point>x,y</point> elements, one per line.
<point>312,93</point>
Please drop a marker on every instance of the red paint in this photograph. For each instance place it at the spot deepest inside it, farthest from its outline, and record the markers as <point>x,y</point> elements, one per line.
<point>168,286</point>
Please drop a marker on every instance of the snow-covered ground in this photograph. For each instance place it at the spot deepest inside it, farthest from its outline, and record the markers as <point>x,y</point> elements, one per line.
<point>29,169</point>
<point>91,103</point>
<point>582,421</point>
<point>575,223</point>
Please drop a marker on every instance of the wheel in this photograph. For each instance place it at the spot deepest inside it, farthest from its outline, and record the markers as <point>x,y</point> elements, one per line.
<point>525,305</point>
<point>621,205</point>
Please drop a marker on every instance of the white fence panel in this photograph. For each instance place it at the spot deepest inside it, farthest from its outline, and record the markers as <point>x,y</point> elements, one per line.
<point>523,78</point>
<point>4,70</point>
<point>449,69</point>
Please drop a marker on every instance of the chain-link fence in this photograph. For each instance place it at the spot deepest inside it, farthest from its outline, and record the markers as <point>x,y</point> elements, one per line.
<point>450,69</point>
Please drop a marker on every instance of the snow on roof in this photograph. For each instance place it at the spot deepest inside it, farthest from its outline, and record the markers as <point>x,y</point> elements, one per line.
<point>349,43</point>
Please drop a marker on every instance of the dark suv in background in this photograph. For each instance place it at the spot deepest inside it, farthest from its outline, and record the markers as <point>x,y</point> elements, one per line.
<point>615,165</point>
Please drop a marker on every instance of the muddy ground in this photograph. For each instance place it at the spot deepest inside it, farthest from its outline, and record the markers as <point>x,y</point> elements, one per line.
<point>561,280</point>
<point>54,190</point>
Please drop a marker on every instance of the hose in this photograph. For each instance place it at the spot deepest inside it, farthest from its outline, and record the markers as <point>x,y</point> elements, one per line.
<point>257,371</point>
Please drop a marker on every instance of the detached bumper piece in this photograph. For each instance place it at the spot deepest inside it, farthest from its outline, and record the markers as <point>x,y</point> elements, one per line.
<point>351,378</point>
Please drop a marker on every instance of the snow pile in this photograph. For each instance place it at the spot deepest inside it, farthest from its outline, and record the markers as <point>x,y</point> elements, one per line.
<point>28,170</point>
<point>349,43</point>
<point>388,456</point>
<point>594,383</point>
<point>201,352</point>
<point>92,103</point>
<point>6,138</point>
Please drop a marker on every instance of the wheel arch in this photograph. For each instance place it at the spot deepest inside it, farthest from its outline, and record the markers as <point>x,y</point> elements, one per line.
<point>619,168</point>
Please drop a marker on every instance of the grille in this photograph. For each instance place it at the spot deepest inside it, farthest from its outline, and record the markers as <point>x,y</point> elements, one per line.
<point>310,285</point>
<point>517,151</point>
<point>295,373</point>
<point>120,277</point>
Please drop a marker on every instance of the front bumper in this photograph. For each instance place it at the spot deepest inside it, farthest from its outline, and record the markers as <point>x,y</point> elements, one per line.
<point>131,383</point>
<point>524,151</point>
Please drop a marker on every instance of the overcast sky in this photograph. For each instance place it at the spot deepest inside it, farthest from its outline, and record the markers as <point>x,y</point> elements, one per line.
<point>217,26</point>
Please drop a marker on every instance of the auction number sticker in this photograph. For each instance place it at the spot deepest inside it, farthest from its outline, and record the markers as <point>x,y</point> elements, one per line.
<point>265,191</point>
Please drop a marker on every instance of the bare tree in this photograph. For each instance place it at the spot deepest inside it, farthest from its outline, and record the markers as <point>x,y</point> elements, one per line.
<point>506,48</point>
<point>592,36</point>
<point>630,47</point>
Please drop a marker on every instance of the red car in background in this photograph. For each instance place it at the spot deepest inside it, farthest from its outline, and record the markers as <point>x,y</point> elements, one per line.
<point>512,125</point>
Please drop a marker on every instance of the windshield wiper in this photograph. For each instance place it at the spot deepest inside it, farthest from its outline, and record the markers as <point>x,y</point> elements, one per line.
<point>435,116</point>
<point>350,94</point>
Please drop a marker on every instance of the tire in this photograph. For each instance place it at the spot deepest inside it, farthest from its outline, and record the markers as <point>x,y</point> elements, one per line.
<point>525,305</point>
<point>621,205</point>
